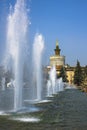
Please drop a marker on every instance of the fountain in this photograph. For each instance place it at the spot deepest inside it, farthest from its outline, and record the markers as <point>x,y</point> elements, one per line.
<point>59,85</point>
<point>16,58</point>
<point>16,55</point>
<point>52,77</point>
<point>54,85</point>
<point>49,88</point>
<point>16,47</point>
<point>3,83</point>
<point>38,48</point>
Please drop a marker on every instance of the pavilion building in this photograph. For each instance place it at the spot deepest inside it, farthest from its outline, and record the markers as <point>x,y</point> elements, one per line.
<point>58,61</point>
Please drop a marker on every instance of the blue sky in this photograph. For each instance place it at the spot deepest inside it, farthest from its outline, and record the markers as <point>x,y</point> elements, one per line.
<point>65,20</point>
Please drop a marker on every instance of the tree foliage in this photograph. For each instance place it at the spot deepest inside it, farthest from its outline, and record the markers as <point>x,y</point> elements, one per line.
<point>78,75</point>
<point>63,74</point>
<point>85,71</point>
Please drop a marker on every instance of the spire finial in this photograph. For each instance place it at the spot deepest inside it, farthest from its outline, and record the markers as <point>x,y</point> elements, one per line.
<point>57,42</point>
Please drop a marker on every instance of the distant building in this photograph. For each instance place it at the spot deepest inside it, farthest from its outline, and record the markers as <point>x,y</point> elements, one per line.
<point>59,61</point>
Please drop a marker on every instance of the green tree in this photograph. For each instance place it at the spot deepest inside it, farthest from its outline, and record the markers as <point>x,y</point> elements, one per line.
<point>78,75</point>
<point>63,74</point>
<point>84,83</point>
<point>85,71</point>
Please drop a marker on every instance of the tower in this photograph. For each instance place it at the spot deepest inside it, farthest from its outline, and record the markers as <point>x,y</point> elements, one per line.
<point>56,59</point>
<point>57,49</point>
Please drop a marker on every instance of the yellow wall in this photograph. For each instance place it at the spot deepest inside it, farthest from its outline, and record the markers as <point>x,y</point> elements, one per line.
<point>70,75</point>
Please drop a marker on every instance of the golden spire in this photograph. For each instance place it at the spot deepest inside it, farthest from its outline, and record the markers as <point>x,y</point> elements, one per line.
<point>57,44</point>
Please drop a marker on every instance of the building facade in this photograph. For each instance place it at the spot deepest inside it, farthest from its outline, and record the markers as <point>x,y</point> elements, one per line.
<point>58,61</point>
